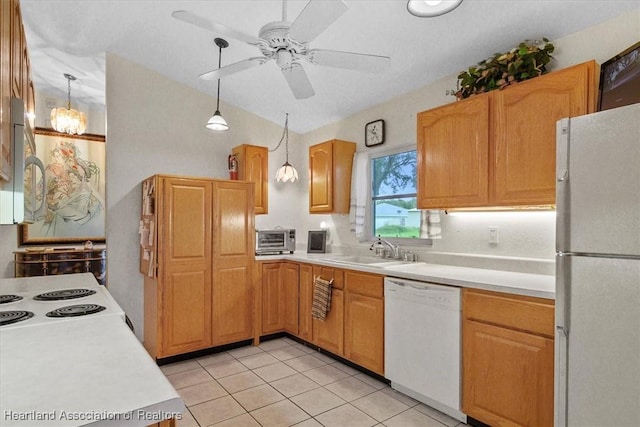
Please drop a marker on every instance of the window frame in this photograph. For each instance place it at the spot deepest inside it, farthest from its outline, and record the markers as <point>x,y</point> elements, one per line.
<point>369,218</point>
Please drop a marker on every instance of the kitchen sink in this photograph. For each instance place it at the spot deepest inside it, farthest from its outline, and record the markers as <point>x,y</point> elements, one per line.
<point>366,260</point>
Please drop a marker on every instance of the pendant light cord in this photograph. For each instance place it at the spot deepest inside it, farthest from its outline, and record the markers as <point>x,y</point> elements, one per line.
<point>219,64</point>
<point>68,93</point>
<point>285,136</point>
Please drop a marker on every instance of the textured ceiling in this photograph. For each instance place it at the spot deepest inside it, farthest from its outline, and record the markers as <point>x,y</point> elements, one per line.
<point>67,36</point>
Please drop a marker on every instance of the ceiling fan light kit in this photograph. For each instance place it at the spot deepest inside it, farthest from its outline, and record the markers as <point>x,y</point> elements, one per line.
<point>68,120</point>
<point>288,45</point>
<point>217,122</point>
<point>431,8</point>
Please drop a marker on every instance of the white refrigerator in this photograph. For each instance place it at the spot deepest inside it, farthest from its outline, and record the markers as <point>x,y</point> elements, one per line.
<point>597,346</point>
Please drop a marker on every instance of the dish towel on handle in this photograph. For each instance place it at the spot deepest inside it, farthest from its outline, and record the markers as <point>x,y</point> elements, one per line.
<point>321,298</point>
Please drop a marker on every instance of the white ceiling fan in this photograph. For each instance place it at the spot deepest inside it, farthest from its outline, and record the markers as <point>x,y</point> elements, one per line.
<point>288,44</point>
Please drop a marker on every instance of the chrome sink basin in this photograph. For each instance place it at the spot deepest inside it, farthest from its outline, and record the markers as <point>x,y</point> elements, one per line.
<point>366,260</point>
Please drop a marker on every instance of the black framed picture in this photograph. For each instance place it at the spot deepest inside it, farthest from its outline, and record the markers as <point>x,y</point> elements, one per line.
<point>317,242</point>
<point>620,79</point>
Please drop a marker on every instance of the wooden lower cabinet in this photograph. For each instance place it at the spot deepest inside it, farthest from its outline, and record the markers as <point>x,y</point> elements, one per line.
<point>364,320</point>
<point>290,297</point>
<point>305,300</point>
<point>272,311</point>
<point>329,333</point>
<point>508,354</point>
<point>279,297</point>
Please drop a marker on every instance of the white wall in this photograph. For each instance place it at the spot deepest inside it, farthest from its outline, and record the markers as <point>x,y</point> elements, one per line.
<point>156,125</point>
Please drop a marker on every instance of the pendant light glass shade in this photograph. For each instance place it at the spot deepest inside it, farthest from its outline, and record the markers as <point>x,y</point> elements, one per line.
<point>217,122</point>
<point>68,120</point>
<point>286,172</point>
<point>430,8</point>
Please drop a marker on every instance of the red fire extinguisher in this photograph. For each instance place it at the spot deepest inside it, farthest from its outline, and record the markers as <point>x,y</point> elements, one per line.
<point>233,167</point>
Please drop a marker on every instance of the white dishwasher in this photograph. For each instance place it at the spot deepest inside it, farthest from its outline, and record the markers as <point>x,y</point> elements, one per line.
<point>422,342</point>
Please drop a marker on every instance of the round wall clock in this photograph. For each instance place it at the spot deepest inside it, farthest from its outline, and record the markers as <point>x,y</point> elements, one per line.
<point>374,133</point>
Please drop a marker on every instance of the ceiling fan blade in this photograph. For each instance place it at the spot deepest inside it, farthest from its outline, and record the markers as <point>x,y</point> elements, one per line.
<point>315,18</point>
<point>233,68</point>
<point>348,60</point>
<point>298,81</point>
<point>214,27</point>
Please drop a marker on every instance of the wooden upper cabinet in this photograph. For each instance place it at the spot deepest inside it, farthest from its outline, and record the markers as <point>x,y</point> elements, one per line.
<point>524,119</point>
<point>498,148</point>
<point>330,166</point>
<point>253,165</point>
<point>452,154</point>
<point>15,78</point>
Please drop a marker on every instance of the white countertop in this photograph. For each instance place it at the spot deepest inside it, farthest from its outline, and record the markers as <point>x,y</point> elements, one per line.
<point>535,285</point>
<point>86,371</point>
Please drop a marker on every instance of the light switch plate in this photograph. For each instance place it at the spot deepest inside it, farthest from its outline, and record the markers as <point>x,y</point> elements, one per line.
<point>493,235</point>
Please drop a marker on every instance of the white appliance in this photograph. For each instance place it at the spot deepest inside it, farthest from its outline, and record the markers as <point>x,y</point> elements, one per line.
<point>30,301</point>
<point>422,342</point>
<point>597,376</point>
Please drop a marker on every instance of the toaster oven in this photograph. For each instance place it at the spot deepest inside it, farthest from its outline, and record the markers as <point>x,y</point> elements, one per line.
<point>276,241</point>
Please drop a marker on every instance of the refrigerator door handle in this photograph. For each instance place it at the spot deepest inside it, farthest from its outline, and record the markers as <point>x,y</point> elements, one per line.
<point>562,185</point>
<point>562,322</point>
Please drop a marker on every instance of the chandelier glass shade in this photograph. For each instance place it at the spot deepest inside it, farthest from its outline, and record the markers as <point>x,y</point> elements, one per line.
<point>68,120</point>
<point>286,172</point>
<point>217,122</point>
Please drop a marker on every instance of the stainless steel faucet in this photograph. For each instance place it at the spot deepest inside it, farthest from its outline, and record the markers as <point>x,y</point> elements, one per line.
<point>395,250</point>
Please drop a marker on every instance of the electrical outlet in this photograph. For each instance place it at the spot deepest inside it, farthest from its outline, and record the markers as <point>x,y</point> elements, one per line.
<point>493,235</point>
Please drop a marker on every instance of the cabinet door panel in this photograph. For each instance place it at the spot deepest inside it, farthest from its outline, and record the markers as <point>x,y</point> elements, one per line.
<point>232,302</point>
<point>452,154</point>
<point>305,330</point>
<point>186,310</point>
<point>290,289</point>
<point>508,376</point>
<point>364,331</point>
<point>524,132</point>
<point>321,178</point>
<point>329,333</point>
<point>233,258</point>
<point>186,221</point>
<point>272,307</point>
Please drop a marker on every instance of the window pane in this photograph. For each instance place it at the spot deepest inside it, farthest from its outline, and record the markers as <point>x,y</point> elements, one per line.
<point>396,217</point>
<point>394,174</point>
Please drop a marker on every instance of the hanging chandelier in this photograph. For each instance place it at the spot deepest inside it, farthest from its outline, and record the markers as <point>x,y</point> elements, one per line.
<point>68,120</point>
<point>286,172</point>
<point>217,122</point>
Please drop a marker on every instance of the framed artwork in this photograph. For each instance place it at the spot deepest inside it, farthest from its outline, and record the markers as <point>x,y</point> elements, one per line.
<point>66,194</point>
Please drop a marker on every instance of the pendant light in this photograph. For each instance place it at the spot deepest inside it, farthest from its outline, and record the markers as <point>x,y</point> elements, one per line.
<point>217,122</point>
<point>430,8</point>
<point>67,120</point>
<point>286,172</point>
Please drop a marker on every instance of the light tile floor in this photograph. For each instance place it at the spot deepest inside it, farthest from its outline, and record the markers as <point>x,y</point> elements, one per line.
<point>283,383</point>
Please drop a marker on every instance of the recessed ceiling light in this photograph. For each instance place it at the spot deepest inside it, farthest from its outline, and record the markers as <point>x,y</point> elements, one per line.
<point>428,8</point>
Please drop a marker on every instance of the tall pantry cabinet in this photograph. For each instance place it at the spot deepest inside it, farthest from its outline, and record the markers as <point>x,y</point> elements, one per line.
<point>197,254</point>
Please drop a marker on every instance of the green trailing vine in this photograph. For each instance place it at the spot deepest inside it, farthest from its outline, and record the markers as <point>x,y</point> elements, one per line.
<point>526,61</point>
